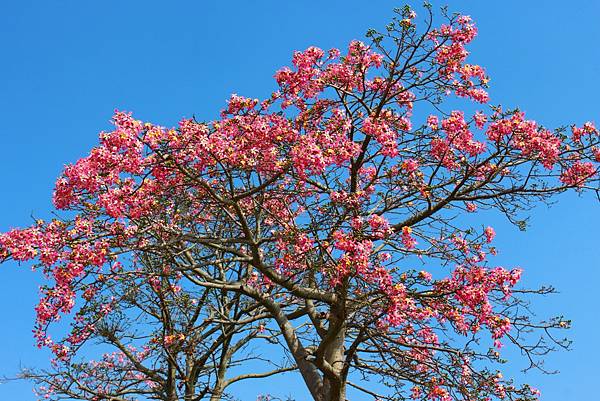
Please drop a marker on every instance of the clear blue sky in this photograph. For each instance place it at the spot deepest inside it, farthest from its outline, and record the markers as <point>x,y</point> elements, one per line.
<point>67,64</point>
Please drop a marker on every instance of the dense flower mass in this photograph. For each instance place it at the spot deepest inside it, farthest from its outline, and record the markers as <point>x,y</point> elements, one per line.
<point>329,202</point>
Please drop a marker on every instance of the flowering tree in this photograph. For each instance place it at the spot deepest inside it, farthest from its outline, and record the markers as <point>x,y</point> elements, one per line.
<point>324,223</point>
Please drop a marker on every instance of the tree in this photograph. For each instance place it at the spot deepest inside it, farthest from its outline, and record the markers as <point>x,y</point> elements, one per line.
<point>325,224</point>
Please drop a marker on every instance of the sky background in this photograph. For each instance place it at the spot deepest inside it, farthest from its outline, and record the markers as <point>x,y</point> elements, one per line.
<point>66,65</point>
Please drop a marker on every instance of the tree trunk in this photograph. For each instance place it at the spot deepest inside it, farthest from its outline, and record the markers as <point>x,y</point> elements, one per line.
<point>334,354</point>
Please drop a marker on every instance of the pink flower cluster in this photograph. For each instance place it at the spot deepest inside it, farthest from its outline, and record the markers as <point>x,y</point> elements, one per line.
<point>578,173</point>
<point>386,131</point>
<point>587,129</point>
<point>451,56</point>
<point>312,72</point>
<point>63,257</point>
<point>526,136</point>
<point>472,286</point>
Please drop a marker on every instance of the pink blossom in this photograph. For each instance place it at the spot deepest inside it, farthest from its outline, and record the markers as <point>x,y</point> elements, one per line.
<point>578,173</point>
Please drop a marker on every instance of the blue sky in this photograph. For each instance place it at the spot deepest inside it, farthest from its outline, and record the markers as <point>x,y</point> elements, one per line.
<point>66,65</point>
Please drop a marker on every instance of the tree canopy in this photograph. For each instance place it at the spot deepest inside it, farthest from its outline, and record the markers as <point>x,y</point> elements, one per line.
<point>318,232</point>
